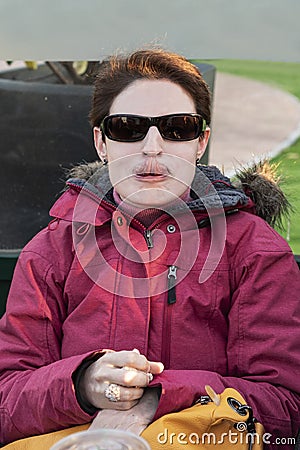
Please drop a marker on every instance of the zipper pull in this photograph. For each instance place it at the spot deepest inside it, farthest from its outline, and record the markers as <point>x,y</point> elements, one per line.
<point>203,400</point>
<point>172,277</point>
<point>148,237</point>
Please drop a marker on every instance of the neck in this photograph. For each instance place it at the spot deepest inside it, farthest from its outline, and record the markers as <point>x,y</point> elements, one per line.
<point>146,215</point>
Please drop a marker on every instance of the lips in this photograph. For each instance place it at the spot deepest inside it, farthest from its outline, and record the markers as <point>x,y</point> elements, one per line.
<point>151,170</point>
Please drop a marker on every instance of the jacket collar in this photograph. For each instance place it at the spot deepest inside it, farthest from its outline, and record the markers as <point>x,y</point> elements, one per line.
<point>255,190</point>
<point>210,188</point>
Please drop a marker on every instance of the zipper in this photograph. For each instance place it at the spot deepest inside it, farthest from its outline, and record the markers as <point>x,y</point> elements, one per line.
<point>203,400</point>
<point>172,277</point>
<point>171,300</point>
<point>147,232</point>
<point>148,238</point>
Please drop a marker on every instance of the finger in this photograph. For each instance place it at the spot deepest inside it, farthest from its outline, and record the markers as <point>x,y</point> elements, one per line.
<point>105,404</point>
<point>129,377</point>
<point>123,406</point>
<point>126,394</point>
<point>156,367</point>
<point>127,358</point>
<point>104,374</point>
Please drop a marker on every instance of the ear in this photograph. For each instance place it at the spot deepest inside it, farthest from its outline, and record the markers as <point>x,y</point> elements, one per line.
<point>202,143</point>
<point>99,144</point>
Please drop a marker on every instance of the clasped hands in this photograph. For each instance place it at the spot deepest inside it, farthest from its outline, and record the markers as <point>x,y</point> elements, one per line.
<point>130,372</point>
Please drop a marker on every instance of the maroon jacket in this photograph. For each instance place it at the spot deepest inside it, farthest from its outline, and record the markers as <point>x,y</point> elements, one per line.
<point>214,297</point>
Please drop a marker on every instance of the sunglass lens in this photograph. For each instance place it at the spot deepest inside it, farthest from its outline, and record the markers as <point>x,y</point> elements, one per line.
<point>177,128</point>
<point>127,129</point>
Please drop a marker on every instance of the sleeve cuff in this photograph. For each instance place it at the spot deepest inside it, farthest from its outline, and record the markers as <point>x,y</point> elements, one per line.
<point>77,374</point>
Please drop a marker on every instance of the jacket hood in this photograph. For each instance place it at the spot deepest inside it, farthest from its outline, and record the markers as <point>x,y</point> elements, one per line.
<point>255,189</point>
<point>261,183</point>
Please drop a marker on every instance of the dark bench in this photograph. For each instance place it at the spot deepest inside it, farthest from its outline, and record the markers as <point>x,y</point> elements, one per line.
<point>8,261</point>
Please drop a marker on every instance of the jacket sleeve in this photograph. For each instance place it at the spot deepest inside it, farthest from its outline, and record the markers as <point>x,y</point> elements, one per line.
<point>263,350</point>
<point>36,389</point>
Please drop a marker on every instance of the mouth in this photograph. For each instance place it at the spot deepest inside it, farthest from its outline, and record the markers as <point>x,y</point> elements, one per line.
<point>150,174</point>
<point>150,177</point>
<point>152,171</point>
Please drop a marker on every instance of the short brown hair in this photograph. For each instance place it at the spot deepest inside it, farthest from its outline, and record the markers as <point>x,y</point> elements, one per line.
<point>118,72</point>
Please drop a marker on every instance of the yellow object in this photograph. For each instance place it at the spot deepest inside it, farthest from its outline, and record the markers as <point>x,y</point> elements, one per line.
<point>31,65</point>
<point>219,421</point>
<point>80,67</point>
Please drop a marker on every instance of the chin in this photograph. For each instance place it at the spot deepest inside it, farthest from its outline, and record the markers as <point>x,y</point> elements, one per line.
<point>152,198</point>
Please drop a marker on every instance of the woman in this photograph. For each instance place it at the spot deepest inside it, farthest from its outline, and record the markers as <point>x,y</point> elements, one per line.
<point>155,277</point>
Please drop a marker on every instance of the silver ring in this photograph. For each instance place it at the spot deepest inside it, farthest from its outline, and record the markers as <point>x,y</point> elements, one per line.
<point>112,392</point>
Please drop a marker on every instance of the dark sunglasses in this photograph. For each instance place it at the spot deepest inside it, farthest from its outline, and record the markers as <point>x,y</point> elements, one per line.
<point>173,127</point>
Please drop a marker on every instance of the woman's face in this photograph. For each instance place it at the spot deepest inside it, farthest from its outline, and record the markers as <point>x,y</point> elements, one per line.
<point>152,172</point>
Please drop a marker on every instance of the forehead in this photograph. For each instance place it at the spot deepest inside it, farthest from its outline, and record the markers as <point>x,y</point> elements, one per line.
<point>153,98</point>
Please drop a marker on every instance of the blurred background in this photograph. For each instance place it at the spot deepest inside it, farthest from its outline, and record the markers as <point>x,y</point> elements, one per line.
<point>90,29</point>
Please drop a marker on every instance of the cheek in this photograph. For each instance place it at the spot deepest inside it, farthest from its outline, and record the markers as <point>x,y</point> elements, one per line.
<point>121,172</point>
<point>183,158</point>
<point>185,176</point>
<point>185,150</point>
<point>183,169</point>
<point>117,174</point>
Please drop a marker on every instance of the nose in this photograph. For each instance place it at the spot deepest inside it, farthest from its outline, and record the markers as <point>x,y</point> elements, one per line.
<point>152,143</point>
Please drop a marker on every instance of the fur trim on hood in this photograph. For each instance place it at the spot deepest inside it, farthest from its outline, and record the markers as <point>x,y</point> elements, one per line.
<point>259,182</point>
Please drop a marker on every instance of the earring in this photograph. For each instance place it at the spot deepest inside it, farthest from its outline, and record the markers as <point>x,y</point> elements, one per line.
<point>104,162</point>
<point>198,163</point>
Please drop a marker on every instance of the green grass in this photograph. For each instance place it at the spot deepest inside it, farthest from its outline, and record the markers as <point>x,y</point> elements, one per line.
<point>289,167</point>
<point>285,76</point>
